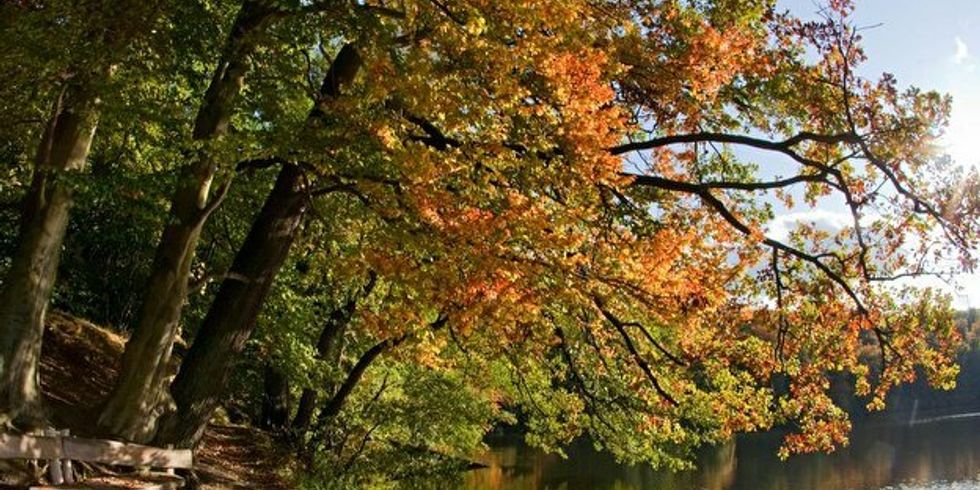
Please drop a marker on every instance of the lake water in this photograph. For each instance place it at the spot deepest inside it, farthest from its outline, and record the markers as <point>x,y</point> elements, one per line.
<point>939,455</point>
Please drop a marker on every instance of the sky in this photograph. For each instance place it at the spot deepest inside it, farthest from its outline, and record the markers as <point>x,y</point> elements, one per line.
<point>931,44</point>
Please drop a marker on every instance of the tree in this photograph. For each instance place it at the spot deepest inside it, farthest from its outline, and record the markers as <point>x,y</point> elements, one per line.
<point>491,161</point>
<point>133,407</point>
<point>586,191</point>
<point>100,37</point>
<point>671,300</point>
<point>229,323</point>
<point>329,348</point>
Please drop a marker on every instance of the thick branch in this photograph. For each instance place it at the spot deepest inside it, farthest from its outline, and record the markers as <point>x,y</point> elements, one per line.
<point>339,319</point>
<point>434,136</point>
<point>336,403</point>
<point>785,146</point>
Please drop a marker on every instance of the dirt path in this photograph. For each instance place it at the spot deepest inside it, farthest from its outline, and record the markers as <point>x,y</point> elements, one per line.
<point>78,367</point>
<point>233,454</point>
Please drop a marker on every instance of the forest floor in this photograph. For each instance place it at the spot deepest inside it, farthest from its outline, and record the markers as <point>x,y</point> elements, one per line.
<point>78,368</point>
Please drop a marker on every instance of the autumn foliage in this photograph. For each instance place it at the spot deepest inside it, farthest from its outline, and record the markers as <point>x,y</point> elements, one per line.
<point>583,210</point>
<point>569,207</point>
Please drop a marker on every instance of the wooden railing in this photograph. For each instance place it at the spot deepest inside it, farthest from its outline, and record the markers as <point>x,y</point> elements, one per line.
<point>59,449</point>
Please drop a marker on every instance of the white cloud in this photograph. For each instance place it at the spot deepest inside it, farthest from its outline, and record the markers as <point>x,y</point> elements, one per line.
<point>969,295</point>
<point>962,53</point>
<point>825,220</point>
<point>964,288</point>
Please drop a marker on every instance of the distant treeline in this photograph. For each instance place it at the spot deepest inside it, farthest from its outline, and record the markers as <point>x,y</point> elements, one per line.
<point>917,400</point>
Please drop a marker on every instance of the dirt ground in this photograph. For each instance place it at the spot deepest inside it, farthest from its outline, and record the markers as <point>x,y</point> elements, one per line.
<point>78,367</point>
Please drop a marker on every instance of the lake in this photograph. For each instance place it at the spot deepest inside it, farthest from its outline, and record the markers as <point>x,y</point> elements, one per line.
<point>938,455</point>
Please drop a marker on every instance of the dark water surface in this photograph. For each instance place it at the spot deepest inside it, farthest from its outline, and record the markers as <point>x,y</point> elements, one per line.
<point>939,455</point>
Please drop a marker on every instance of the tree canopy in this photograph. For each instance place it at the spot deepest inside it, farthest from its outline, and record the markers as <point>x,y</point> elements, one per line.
<point>556,209</point>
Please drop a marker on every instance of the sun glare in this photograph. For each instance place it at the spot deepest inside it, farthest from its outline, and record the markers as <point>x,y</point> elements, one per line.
<point>962,139</point>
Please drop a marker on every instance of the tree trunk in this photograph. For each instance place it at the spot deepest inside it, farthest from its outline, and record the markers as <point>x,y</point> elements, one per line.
<point>327,348</point>
<point>229,322</point>
<point>275,401</point>
<point>26,291</point>
<point>63,150</point>
<point>232,316</point>
<point>304,413</point>
<point>336,402</point>
<point>134,405</point>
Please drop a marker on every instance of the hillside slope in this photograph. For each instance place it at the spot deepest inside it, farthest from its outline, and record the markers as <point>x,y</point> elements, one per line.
<point>78,367</point>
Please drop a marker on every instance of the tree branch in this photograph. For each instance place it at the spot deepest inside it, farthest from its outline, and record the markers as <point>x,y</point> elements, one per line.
<point>785,146</point>
<point>705,194</point>
<point>640,361</point>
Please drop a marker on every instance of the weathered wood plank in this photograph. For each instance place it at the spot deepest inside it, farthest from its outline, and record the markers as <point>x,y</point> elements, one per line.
<point>55,475</point>
<point>151,481</point>
<point>92,450</point>
<point>13,446</point>
<point>118,453</point>
<point>67,468</point>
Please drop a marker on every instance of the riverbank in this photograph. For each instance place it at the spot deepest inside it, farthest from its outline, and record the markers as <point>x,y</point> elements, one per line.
<point>938,455</point>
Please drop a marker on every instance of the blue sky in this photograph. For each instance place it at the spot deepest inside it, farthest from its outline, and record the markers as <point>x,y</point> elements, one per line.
<point>932,44</point>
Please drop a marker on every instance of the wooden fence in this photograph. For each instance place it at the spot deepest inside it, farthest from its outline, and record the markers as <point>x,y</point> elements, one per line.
<point>60,449</point>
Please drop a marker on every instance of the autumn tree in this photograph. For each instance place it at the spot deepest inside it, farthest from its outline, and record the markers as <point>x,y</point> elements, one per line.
<point>231,319</point>
<point>638,280</point>
<point>577,197</point>
<point>675,236</point>
<point>140,394</point>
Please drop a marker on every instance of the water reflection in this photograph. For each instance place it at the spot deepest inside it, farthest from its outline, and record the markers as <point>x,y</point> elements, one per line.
<point>907,457</point>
